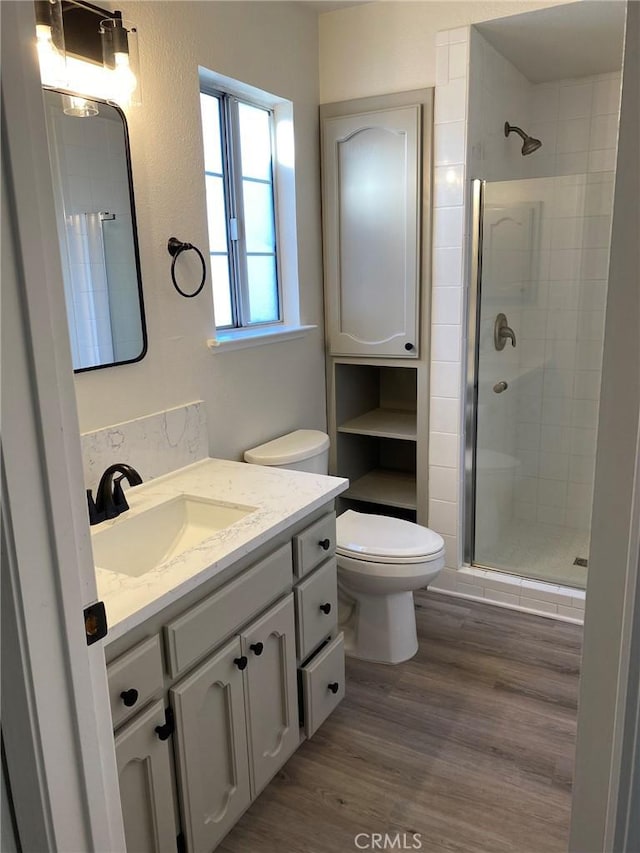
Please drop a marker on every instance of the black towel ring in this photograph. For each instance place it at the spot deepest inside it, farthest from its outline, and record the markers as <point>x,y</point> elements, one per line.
<point>175,247</point>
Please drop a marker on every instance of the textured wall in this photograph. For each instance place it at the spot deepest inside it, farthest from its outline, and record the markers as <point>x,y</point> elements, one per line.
<point>390,47</point>
<point>253,394</point>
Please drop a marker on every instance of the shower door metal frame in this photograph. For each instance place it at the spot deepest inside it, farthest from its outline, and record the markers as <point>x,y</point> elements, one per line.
<point>473,353</point>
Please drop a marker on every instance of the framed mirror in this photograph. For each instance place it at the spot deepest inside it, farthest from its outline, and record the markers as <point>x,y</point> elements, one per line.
<point>95,213</point>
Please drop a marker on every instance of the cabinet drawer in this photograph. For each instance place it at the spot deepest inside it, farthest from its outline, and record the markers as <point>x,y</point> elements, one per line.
<point>206,625</point>
<point>316,607</point>
<point>320,678</point>
<point>314,545</point>
<point>138,671</point>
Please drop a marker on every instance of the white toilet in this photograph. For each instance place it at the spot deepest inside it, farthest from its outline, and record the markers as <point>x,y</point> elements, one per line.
<point>381,560</point>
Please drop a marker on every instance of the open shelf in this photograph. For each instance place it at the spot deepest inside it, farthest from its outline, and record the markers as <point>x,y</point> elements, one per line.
<point>384,423</point>
<point>382,486</point>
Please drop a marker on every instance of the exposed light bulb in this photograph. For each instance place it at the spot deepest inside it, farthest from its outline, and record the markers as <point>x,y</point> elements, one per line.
<point>52,62</point>
<point>123,81</point>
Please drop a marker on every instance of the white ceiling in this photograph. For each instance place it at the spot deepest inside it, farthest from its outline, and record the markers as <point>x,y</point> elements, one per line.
<point>572,40</point>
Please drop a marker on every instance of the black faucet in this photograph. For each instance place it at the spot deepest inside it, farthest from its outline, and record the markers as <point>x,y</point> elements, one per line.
<point>110,500</point>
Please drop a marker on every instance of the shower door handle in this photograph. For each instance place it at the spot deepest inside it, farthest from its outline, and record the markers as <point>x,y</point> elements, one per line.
<point>501,386</point>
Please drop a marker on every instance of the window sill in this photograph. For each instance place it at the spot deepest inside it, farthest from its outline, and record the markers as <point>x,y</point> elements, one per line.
<point>243,338</point>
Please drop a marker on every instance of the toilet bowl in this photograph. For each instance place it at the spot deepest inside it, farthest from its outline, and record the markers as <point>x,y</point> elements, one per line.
<point>381,560</point>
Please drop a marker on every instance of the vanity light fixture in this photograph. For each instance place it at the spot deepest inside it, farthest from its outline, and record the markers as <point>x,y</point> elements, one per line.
<point>50,42</point>
<point>87,51</point>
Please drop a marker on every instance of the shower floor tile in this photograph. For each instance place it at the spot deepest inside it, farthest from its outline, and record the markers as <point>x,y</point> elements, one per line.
<point>545,552</point>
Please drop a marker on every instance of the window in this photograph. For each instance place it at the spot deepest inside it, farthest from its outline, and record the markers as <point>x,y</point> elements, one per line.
<point>239,176</point>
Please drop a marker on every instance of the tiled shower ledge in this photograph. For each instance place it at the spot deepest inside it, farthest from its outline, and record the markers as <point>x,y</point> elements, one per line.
<point>503,590</point>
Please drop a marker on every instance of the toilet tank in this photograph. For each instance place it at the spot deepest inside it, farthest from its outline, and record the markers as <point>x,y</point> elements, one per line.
<point>302,450</point>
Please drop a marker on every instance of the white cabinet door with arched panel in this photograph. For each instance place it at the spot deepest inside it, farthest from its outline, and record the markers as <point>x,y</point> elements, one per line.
<point>371,210</point>
<point>146,783</point>
<point>271,691</point>
<point>211,748</point>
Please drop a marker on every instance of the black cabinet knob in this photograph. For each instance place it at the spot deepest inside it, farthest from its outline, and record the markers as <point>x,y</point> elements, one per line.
<point>241,662</point>
<point>325,544</point>
<point>408,347</point>
<point>257,648</point>
<point>129,697</point>
<point>164,732</point>
<point>334,687</point>
<point>326,608</point>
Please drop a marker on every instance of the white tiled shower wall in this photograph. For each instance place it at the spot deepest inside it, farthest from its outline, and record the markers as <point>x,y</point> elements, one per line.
<point>576,120</point>
<point>454,166</point>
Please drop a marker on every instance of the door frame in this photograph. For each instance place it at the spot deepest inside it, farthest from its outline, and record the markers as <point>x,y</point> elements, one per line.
<point>604,813</point>
<point>55,709</point>
<point>56,720</point>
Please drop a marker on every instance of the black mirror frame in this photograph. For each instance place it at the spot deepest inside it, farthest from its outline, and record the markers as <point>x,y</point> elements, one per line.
<point>134,224</point>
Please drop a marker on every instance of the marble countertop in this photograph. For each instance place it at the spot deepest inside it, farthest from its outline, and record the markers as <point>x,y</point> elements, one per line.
<point>280,497</point>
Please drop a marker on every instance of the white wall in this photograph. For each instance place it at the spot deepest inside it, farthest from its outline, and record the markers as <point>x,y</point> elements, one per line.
<point>253,394</point>
<point>385,47</point>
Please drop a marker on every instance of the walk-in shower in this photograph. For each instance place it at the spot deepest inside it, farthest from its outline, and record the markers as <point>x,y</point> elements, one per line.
<point>538,254</point>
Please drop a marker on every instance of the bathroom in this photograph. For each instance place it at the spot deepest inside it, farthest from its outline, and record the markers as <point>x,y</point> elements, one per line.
<point>253,394</point>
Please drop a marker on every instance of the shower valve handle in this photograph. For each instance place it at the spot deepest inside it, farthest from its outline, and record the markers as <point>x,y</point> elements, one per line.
<point>502,332</point>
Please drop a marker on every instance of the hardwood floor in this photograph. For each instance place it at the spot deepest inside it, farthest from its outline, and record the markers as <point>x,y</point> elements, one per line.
<point>469,744</point>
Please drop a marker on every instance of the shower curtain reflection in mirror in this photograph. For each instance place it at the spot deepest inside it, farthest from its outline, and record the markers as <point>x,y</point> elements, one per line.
<point>96,228</point>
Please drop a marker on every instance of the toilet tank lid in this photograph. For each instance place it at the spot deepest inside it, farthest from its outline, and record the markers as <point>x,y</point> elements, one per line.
<point>381,536</point>
<point>293,447</point>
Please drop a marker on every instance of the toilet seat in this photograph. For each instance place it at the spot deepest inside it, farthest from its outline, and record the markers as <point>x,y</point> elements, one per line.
<point>380,539</point>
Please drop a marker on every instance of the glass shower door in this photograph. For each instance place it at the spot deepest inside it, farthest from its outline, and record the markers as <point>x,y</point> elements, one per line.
<point>538,355</point>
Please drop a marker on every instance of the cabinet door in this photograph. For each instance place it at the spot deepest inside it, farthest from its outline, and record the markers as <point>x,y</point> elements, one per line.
<point>371,199</point>
<point>146,791</point>
<point>272,694</point>
<point>211,745</point>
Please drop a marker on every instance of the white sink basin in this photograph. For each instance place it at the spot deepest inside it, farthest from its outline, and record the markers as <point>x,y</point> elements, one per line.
<point>137,543</point>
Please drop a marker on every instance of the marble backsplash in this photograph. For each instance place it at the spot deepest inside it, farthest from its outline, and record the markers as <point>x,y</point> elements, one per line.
<point>153,445</point>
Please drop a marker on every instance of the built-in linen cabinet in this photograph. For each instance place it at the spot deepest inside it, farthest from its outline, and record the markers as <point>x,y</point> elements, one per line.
<point>204,720</point>
<point>376,208</point>
<point>376,436</point>
<point>371,166</point>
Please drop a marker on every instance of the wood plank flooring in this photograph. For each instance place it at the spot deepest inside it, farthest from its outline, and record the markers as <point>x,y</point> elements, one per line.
<point>469,744</point>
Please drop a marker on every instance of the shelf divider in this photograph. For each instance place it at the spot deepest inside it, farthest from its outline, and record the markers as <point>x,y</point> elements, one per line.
<point>382,486</point>
<point>384,423</point>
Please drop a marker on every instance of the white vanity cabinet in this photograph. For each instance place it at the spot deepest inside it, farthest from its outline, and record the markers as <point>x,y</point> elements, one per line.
<point>371,167</point>
<point>236,725</point>
<point>247,668</point>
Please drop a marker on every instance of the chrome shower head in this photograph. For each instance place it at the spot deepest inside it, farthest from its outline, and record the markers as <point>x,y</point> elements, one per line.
<point>529,143</point>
